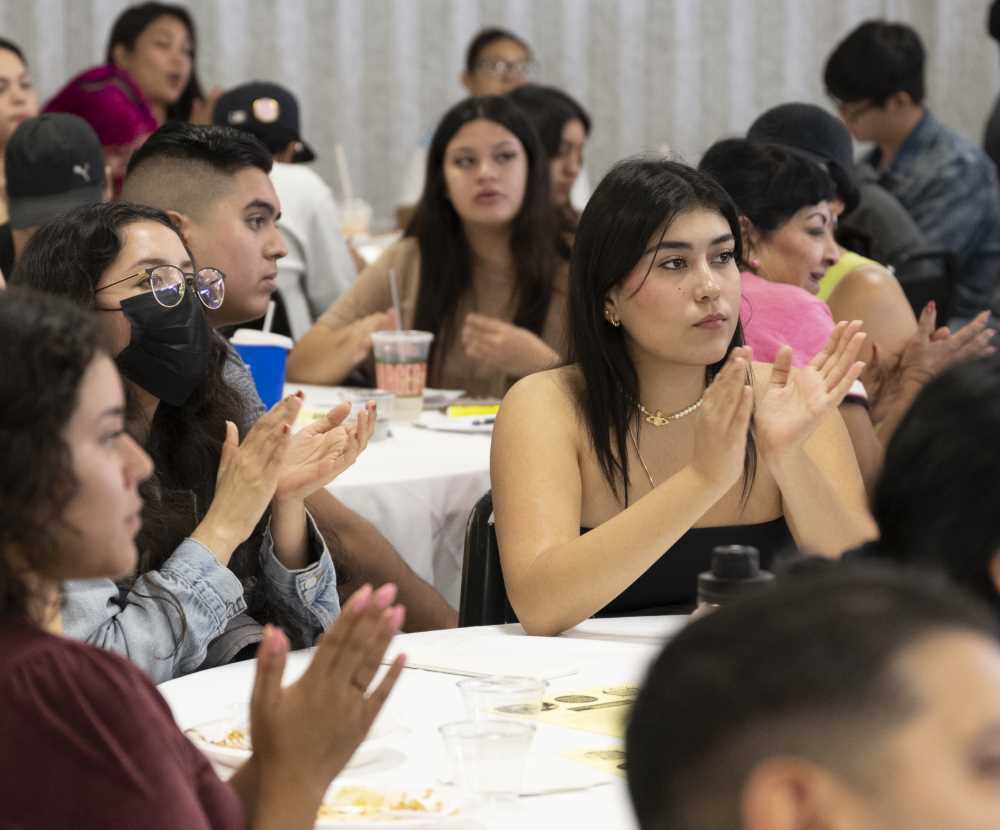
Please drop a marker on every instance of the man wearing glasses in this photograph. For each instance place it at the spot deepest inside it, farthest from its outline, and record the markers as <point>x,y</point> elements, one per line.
<point>945,182</point>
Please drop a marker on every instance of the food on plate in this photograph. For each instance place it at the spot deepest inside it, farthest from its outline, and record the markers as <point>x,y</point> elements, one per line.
<point>358,803</point>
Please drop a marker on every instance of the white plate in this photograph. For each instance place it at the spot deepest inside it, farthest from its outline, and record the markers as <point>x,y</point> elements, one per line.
<point>204,736</point>
<point>480,424</point>
<point>440,397</point>
<point>444,808</point>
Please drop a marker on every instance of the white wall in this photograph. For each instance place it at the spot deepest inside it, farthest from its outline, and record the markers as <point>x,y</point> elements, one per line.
<point>377,74</point>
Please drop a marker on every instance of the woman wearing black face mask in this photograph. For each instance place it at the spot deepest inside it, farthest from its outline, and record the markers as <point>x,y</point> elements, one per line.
<point>225,545</point>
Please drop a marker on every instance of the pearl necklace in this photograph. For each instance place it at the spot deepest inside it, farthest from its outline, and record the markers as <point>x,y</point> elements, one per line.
<point>658,419</point>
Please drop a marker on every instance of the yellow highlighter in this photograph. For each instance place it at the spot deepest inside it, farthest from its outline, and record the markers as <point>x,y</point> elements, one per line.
<point>464,410</point>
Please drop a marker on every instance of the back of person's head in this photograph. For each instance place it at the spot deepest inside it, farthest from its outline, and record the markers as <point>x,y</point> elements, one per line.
<point>438,228</point>
<point>483,38</point>
<point>934,502</point>
<point>69,254</point>
<point>638,199</point>
<point>185,167</point>
<point>815,676</point>
<point>268,111</point>
<point>549,110</point>
<point>874,62</point>
<point>133,21</point>
<point>52,163</point>
<point>768,183</point>
<point>817,134</point>
<point>49,343</point>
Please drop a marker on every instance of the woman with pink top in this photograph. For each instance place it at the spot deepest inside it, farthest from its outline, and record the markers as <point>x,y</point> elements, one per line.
<point>787,217</point>
<point>108,99</point>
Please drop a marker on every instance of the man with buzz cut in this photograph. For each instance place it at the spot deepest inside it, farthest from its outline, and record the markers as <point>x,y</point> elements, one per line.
<point>213,183</point>
<point>946,183</point>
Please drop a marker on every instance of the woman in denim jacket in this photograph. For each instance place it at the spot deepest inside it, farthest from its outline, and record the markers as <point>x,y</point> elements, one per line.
<point>226,544</point>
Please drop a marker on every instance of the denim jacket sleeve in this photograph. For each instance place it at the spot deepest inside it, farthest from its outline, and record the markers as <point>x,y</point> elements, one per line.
<point>143,624</point>
<point>307,596</point>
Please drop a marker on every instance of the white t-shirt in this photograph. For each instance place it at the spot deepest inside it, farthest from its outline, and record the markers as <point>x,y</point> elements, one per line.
<point>318,268</point>
<point>413,182</point>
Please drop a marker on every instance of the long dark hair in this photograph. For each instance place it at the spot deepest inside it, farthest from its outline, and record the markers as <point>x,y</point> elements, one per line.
<point>445,257</point>
<point>933,502</point>
<point>550,110</point>
<point>67,256</point>
<point>49,343</point>
<point>132,22</point>
<point>638,196</point>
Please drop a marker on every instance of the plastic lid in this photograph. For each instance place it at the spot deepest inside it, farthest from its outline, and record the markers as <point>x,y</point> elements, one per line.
<point>254,337</point>
<point>404,336</point>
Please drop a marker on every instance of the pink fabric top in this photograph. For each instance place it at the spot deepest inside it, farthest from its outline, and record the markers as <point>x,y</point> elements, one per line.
<point>776,314</point>
<point>107,99</point>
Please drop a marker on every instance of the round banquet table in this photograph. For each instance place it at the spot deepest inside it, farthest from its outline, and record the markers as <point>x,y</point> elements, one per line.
<point>599,653</point>
<point>418,487</point>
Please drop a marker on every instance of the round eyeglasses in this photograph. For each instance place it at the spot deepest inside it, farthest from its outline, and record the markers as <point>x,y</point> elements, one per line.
<point>168,284</point>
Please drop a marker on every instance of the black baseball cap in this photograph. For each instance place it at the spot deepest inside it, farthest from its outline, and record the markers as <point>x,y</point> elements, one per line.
<point>53,163</point>
<point>815,133</point>
<point>266,110</point>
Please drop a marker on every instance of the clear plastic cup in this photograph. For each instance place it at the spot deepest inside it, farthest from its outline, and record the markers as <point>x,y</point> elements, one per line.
<point>401,368</point>
<point>500,696</point>
<point>355,217</point>
<point>488,756</point>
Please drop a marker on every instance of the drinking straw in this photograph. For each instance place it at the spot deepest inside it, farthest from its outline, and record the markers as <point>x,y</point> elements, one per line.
<point>345,176</point>
<point>394,288</point>
<point>268,317</point>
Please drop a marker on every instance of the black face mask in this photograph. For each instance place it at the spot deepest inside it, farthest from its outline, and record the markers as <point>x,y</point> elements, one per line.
<point>169,351</point>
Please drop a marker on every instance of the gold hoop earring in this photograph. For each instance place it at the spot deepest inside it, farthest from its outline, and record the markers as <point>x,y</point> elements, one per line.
<point>612,319</point>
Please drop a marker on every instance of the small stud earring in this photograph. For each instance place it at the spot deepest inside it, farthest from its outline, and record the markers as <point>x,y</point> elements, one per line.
<point>612,319</point>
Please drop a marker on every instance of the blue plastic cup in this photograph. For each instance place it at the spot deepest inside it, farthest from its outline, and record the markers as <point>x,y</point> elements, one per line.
<point>266,354</point>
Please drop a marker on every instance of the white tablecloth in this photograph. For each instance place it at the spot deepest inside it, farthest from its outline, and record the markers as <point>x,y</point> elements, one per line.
<point>417,487</point>
<point>603,652</point>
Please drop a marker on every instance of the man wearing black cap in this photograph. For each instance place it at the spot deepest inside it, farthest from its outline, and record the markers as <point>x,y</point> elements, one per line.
<point>870,211</point>
<point>53,163</point>
<point>318,267</point>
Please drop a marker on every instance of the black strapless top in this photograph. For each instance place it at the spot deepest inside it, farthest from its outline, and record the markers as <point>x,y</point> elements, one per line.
<point>670,584</point>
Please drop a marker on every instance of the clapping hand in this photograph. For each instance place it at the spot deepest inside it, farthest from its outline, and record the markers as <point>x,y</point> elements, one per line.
<point>320,452</point>
<point>505,346</point>
<point>304,734</point>
<point>721,431</point>
<point>796,401</point>
<point>247,478</point>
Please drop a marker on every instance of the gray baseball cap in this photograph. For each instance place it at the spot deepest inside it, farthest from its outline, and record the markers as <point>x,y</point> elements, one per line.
<point>53,163</point>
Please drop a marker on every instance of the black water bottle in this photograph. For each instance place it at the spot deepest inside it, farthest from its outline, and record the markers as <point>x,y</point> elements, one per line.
<point>735,573</point>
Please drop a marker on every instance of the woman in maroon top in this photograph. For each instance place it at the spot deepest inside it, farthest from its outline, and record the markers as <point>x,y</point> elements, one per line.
<point>87,740</point>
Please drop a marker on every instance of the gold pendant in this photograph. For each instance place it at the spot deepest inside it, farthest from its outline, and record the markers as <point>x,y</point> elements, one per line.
<point>657,420</point>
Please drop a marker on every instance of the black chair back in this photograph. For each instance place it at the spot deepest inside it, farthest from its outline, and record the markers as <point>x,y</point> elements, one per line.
<point>925,275</point>
<point>484,595</point>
